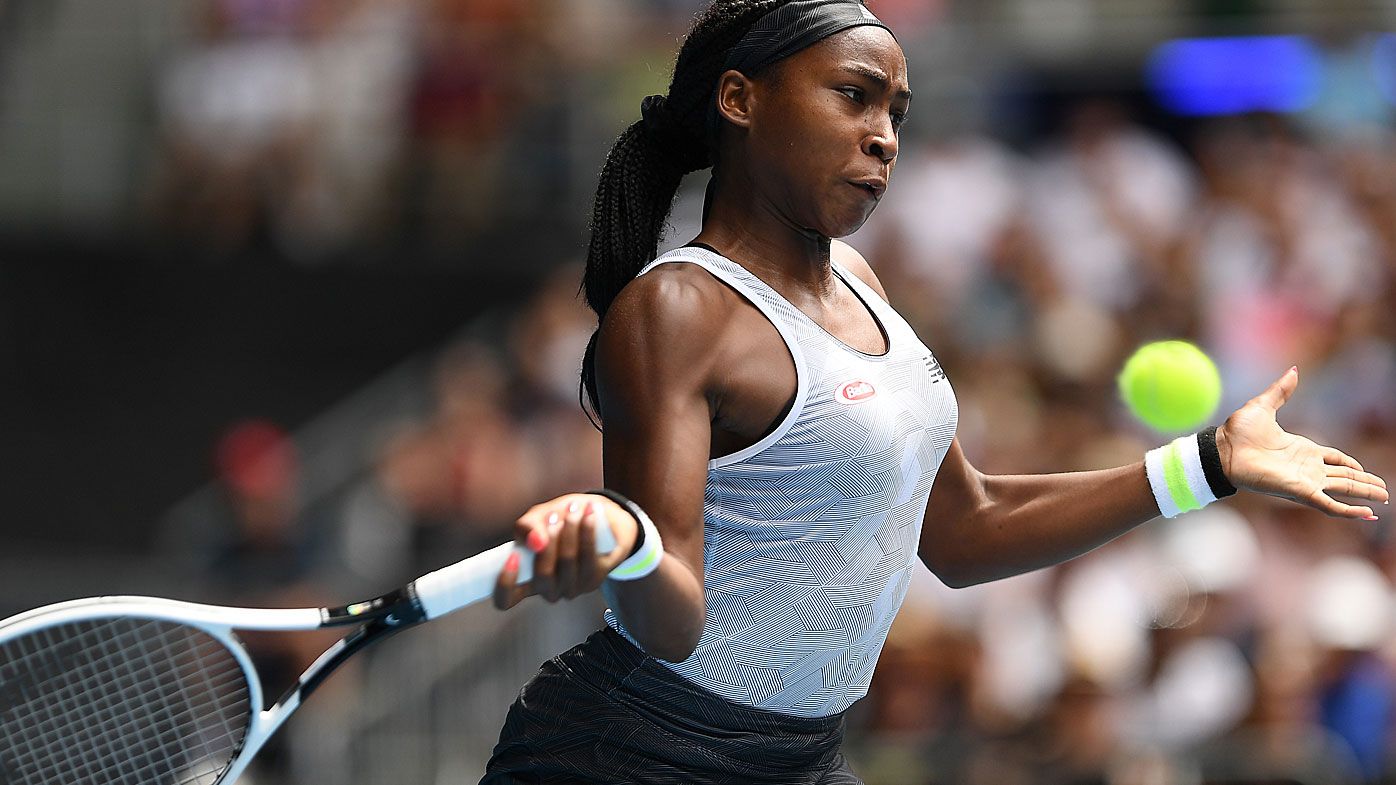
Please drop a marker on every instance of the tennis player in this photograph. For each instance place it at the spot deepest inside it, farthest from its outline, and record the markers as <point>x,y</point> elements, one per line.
<point>779,445</point>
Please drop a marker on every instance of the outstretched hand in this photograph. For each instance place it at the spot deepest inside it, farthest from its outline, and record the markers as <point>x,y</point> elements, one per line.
<point>1259,455</point>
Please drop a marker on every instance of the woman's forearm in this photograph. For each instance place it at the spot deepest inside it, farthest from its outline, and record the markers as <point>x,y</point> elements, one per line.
<point>664,611</point>
<point>1021,523</point>
<point>979,527</point>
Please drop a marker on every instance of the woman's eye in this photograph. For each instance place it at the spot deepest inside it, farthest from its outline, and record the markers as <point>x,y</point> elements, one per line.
<point>852,92</point>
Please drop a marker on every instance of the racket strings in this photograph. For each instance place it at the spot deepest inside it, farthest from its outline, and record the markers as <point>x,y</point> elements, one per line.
<point>119,702</point>
<point>117,727</point>
<point>109,748</point>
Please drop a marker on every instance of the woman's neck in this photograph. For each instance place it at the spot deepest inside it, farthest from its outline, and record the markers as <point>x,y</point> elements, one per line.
<point>745,228</point>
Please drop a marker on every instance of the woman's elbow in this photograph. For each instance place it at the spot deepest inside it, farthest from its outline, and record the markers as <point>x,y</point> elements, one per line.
<point>954,571</point>
<point>954,579</point>
<point>675,637</point>
<point>672,652</point>
<point>677,646</point>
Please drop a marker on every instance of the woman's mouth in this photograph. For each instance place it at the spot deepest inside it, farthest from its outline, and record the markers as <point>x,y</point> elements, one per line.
<point>874,187</point>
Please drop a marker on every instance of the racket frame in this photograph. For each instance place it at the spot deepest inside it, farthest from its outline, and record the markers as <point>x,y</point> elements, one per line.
<point>429,597</point>
<point>219,622</point>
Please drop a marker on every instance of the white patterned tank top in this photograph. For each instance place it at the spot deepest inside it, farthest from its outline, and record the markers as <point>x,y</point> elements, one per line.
<point>811,533</point>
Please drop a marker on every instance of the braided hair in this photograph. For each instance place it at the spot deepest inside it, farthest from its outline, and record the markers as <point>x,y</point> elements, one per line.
<point>645,165</point>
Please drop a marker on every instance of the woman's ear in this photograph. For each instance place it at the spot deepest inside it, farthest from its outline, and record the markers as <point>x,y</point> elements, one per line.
<point>735,98</point>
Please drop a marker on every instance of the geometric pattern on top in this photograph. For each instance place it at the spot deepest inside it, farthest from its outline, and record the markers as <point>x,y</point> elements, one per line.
<point>810,534</point>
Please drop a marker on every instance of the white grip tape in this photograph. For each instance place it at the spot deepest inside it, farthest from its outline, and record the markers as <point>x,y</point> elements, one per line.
<point>470,580</point>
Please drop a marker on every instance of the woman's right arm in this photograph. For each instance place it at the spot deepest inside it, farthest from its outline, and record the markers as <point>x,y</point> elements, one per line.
<point>655,368</point>
<point>656,362</point>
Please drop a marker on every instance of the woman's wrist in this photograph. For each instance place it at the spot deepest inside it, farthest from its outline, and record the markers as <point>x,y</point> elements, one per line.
<point>1210,445</point>
<point>1223,443</point>
<point>1187,474</point>
<point>648,550</point>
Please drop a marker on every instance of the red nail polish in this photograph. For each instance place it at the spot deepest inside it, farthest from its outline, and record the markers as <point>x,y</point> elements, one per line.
<point>537,541</point>
<point>1370,518</point>
<point>512,563</point>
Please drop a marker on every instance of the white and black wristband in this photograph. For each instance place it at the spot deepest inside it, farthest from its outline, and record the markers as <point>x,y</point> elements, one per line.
<point>1212,465</point>
<point>1186,474</point>
<point>649,548</point>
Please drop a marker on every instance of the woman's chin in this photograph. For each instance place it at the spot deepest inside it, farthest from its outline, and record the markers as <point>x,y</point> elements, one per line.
<point>846,224</point>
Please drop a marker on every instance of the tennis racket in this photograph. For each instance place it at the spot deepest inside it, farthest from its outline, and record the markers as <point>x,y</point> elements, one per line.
<point>148,691</point>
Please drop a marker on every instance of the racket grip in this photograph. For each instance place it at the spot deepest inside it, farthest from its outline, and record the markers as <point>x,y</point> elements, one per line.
<point>472,580</point>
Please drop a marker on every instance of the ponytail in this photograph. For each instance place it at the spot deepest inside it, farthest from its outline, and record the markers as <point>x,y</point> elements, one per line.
<point>633,200</point>
<point>646,164</point>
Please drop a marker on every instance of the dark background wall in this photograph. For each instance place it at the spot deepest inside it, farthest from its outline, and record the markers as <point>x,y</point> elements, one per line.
<point>118,369</point>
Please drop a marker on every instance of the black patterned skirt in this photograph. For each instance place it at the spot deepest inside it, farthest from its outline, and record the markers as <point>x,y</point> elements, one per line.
<point>603,712</point>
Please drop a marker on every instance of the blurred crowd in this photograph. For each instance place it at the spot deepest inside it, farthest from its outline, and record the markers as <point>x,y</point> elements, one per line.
<point>321,129</point>
<point>1251,642</point>
<point>314,127</point>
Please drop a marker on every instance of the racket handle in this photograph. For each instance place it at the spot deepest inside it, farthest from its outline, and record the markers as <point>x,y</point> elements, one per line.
<point>471,580</point>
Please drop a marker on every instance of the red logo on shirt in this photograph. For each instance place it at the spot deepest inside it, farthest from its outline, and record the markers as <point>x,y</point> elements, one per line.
<point>856,391</point>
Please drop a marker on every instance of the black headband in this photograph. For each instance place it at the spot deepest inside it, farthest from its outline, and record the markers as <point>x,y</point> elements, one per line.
<point>794,26</point>
<point>788,29</point>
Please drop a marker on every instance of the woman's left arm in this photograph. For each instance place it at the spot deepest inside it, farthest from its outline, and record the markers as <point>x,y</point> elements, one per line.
<point>982,527</point>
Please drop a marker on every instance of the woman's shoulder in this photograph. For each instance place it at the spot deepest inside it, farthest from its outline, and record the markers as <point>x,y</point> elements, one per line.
<point>677,309</point>
<point>666,333</point>
<point>680,294</point>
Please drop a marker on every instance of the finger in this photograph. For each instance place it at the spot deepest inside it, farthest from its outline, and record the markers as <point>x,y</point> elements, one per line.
<point>1330,506</point>
<point>610,560</point>
<point>510,594</point>
<point>567,551</point>
<point>586,547</point>
<point>1334,457</point>
<point>1346,486</point>
<point>1356,475</point>
<point>506,587</point>
<point>545,558</point>
<point>520,594</point>
<point>1276,394</point>
<point>531,530</point>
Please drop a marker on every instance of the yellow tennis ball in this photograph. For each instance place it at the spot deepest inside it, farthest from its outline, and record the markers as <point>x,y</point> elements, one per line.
<point>1171,385</point>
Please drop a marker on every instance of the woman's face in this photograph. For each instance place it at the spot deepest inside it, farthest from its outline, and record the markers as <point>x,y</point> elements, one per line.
<point>822,136</point>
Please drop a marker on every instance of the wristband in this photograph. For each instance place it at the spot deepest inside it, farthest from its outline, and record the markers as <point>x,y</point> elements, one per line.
<point>649,549</point>
<point>1179,477</point>
<point>1211,464</point>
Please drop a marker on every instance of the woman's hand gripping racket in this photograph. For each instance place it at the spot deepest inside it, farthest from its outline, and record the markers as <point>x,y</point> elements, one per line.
<point>142,690</point>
